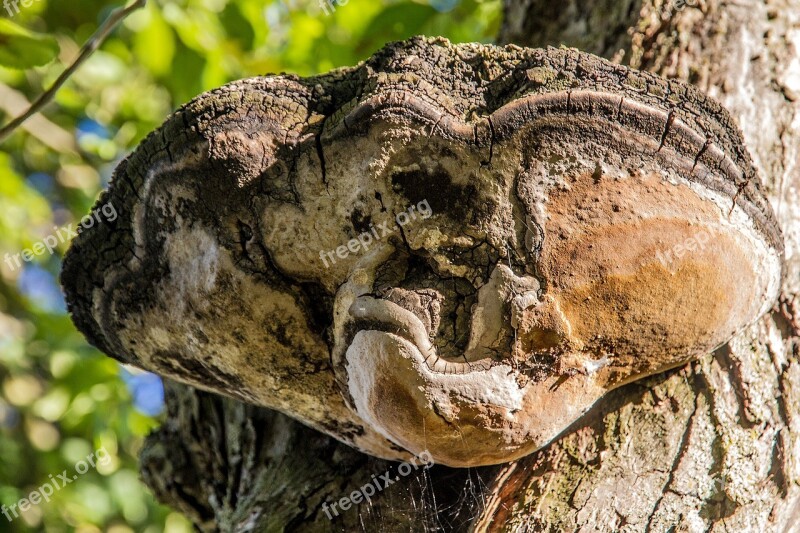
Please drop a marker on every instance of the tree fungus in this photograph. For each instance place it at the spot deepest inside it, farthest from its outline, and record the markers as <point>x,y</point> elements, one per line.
<point>451,248</point>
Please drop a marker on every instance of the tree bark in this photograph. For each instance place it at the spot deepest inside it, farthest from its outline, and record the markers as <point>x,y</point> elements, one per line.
<point>711,446</point>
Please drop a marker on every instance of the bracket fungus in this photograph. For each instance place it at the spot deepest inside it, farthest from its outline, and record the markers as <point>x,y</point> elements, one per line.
<point>451,248</point>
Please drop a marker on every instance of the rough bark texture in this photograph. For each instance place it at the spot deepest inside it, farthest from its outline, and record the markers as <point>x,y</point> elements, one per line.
<point>714,445</point>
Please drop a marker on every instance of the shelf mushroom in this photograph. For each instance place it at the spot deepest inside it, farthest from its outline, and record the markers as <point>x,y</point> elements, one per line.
<point>456,249</point>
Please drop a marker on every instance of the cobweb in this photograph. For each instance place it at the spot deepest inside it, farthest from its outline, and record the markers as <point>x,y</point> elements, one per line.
<point>450,504</point>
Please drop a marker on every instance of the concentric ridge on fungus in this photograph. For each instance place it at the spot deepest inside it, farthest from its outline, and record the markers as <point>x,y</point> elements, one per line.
<point>572,225</point>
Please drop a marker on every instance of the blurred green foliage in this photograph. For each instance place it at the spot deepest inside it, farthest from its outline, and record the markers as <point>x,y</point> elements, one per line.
<point>60,399</point>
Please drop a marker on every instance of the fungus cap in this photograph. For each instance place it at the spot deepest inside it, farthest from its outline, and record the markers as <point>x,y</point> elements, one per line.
<point>451,248</point>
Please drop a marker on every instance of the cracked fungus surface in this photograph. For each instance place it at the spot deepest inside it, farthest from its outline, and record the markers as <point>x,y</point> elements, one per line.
<point>451,248</point>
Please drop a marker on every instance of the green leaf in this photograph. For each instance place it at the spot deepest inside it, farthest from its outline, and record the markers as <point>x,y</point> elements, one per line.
<point>155,45</point>
<point>237,26</point>
<point>398,21</point>
<point>22,49</point>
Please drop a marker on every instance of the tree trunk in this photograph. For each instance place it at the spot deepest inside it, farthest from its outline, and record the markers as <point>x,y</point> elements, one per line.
<point>711,446</point>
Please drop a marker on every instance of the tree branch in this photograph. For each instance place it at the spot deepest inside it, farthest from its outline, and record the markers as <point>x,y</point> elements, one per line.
<point>49,133</point>
<point>94,42</point>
